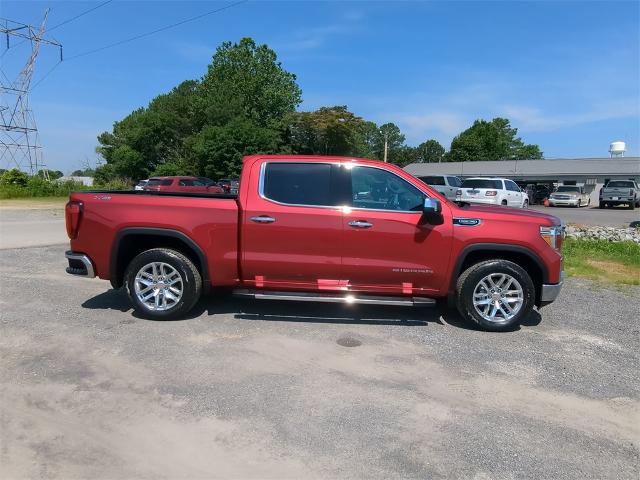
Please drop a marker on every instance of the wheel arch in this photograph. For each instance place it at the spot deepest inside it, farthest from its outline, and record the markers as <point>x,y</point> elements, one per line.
<point>130,242</point>
<point>519,255</point>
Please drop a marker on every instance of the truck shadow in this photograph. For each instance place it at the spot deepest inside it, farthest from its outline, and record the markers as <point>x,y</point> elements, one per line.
<point>223,303</point>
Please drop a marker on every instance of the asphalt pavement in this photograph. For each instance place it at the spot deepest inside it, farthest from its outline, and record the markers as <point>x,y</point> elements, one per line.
<point>245,389</point>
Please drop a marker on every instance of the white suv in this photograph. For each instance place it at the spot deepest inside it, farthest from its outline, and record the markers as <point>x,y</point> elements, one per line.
<point>492,191</point>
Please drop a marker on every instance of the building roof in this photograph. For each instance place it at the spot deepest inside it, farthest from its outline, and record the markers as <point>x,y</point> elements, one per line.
<point>629,166</point>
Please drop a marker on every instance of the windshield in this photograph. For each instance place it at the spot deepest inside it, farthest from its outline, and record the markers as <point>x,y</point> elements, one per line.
<point>620,183</point>
<point>154,182</point>
<point>482,183</point>
<point>568,189</point>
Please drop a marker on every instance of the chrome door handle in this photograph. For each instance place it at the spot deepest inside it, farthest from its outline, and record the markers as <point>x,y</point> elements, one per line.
<point>360,224</point>
<point>263,219</point>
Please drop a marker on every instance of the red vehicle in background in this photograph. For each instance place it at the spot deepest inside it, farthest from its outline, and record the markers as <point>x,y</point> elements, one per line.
<point>326,229</point>
<point>182,184</point>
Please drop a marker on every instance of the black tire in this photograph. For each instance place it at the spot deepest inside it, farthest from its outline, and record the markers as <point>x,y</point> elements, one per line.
<point>504,203</point>
<point>189,274</point>
<point>471,277</point>
<point>601,205</point>
<point>525,204</point>
<point>632,205</point>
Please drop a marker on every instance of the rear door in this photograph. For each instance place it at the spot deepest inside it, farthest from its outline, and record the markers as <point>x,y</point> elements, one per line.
<point>386,248</point>
<point>514,196</point>
<point>292,227</point>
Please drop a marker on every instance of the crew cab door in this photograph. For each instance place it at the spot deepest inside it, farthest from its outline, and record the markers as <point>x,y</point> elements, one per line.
<point>514,195</point>
<point>386,247</point>
<point>291,231</point>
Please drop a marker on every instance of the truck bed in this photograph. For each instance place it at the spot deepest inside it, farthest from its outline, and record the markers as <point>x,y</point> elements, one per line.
<point>209,220</point>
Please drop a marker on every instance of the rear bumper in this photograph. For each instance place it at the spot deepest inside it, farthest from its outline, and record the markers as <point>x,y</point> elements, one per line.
<point>79,265</point>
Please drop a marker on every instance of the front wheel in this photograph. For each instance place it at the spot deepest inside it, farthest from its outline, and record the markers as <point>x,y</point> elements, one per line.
<point>162,284</point>
<point>495,294</point>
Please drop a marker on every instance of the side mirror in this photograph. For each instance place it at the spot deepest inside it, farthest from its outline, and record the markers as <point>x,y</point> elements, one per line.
<point>432,211</point>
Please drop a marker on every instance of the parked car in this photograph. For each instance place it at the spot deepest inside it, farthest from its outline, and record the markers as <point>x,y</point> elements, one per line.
<point>541,194</point>
<point>300,231</point>
<point>229,185</point>
<point>445,184</point>
<point>141,184</point>
<point>618,192</point>
<point>569,196</point>
<point>182,184</point>
<point>492,191</point>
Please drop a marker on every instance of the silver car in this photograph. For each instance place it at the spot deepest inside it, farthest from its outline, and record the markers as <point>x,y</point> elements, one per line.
<point>569,196</point>
<point>445,184</point>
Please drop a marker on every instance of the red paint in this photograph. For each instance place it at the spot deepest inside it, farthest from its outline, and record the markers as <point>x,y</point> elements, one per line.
<point>311,248</point>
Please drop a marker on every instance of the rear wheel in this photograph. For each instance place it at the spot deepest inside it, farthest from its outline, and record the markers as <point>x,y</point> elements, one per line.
<point>601,205</point>
<point>632,205</point>
<point>525,204</point>
<point>162,284</point>
<point>504,203</point>
<point>495,294</point>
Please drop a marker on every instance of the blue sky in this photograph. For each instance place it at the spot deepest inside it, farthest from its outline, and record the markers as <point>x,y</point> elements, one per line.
<point>567,74</point>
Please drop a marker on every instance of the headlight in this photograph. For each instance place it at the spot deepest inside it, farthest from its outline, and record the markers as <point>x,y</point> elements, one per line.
<point>552,235</point>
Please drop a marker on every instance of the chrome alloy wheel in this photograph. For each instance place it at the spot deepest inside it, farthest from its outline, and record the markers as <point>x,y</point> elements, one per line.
<point>158,286</point>
<point>498,297</point>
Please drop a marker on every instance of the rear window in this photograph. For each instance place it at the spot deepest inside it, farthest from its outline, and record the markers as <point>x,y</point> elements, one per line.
<point>620,184</point>
<point>298,183</point>
<point>433,180</point>
<point>482,183</point>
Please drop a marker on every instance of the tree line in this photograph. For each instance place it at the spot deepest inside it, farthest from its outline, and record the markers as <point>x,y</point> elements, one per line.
<point>246,104</point>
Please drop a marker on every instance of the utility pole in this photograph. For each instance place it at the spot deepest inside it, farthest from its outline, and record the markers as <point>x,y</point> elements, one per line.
<point>386,146</point>
<point>19,143</point>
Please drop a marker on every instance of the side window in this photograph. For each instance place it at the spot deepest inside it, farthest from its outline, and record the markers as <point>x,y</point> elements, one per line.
<point>511,186</point>
<point>166,183</point>
<point>433,180</point>
<point>454,181</point>
<point>381,190</point>
<point>186,183</point>
<point>298,183</point>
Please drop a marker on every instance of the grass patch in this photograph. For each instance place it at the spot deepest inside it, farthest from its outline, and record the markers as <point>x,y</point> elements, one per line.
<point>603,261</point>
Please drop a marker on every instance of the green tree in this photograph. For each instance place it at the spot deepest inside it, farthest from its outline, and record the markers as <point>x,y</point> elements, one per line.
<point>430,152</point>
<point>326,131</point>
<point>217,151</point>
<point>87,172</point>
<point>494,140</point>
<point>53,174</point>
<point>394,138</point>
<point>14,177</point>
<point>245,79</point>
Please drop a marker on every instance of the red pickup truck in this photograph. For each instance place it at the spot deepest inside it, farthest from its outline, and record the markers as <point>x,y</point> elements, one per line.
<point>327,229</point>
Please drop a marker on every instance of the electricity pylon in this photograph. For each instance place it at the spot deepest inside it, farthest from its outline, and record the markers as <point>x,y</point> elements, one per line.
<point>19,141</point>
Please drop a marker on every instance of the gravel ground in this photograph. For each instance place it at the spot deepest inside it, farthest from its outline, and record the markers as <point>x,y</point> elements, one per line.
<point>608,217</point>
<point>265,390</point>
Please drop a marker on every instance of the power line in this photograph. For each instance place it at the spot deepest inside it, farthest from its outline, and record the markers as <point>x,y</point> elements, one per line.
<point>45,76</point>
<point>79,15</point>
<point>158,30</point>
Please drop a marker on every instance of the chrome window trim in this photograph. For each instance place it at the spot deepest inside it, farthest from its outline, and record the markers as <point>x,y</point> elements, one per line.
<point>262,195</point>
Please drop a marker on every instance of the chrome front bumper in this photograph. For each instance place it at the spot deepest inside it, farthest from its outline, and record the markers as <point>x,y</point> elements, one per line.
<point>79,264</point>
<point>550,291</point>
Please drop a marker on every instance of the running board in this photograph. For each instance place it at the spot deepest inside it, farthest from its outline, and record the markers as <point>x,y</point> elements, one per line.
<point>335,298</point>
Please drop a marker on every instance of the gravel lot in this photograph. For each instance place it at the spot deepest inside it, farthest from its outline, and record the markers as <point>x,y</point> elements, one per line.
<point>609,217</point>
<point>247,390</point>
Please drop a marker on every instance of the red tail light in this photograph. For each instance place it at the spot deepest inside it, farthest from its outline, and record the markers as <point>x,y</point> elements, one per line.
<point>73,212</point>
<point>491,193</point>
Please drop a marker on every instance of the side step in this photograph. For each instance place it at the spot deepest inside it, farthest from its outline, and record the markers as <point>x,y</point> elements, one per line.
<point>335,298</point>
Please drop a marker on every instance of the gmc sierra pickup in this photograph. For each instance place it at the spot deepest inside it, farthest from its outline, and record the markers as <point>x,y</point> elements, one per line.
<point>327,229</point>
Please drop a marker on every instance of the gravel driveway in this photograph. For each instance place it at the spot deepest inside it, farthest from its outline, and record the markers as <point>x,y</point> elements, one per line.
<point>266,390</point>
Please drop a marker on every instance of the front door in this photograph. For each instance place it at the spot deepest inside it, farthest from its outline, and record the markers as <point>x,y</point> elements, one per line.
<point>292,227</point>
<point>387,249</point>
